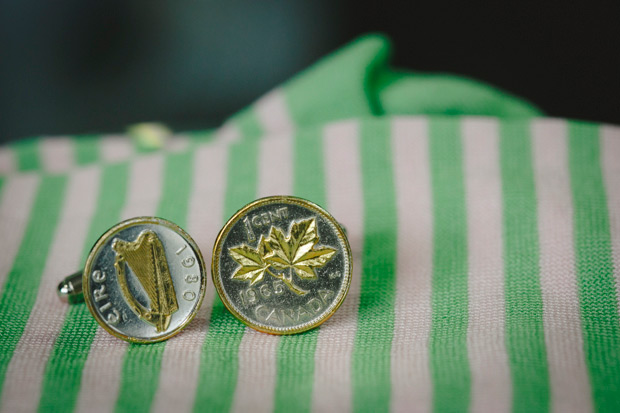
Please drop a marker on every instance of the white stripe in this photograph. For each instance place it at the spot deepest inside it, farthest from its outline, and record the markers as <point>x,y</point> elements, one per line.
<point>180,365</point>
<point>257,372</point>
<point>258,351</point>
<point>177,143</point>
<point>610,164</point>
<point>228,133</point>
<point>275,165</point>
<point>332,373</point>
<point>16,199</point>
<point>56,153</point>
<point>101,375</point>
<point>144,191</point>
<point>411,379</point>
<point>490,372</point>
<point>570,385</point>
<point>24,374</point>
<point>7,160</point>
<point>116,148</point>
<point>272,112</point>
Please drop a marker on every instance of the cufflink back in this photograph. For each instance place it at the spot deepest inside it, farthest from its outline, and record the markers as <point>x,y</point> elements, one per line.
<point>143,281</point>
<point>282,265</point>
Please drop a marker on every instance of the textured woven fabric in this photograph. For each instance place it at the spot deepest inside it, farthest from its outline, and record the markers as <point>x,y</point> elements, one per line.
<point>486,254</point>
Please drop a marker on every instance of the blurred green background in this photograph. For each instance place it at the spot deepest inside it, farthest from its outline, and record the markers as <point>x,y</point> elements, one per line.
<point>69,66</point>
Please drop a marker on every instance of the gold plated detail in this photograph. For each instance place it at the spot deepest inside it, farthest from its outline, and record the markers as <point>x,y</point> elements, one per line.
<point>143,281</point>
<point>146,258</point>
<point>282,265</point>
<point>297,252</point>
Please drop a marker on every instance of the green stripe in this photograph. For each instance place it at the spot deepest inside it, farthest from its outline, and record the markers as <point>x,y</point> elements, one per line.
<point>140,377</point>
<point>248,124</point>
<point>295,354</point>
<point>597,285</point>
<point>449,362</point>
<point>86,149</point>
<point>142,363</point>
<point>27,154</point>
<point>295,372</point>
<point>375,325</point>
<point>200,136</point>
<point>2,182</point>
<point>21,287</point>
<point>525,340</point>
<point>177,187</point>
<point>63,373</point>
<point>219,362</point>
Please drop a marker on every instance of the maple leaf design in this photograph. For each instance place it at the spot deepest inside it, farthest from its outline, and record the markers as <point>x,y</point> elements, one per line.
<point>252,263</point>
<point>297,250</point>
<point>295,253</point>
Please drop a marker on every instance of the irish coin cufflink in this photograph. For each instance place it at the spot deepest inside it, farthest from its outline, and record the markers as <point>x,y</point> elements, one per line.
<point>282,265</point>
<point>143,281</point>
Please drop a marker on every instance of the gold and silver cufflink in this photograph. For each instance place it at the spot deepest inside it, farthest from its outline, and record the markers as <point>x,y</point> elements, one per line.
<point>143,281</point>
<point>282,265</point>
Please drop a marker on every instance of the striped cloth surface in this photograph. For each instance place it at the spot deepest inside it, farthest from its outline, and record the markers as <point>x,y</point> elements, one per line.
<point>486,261</point>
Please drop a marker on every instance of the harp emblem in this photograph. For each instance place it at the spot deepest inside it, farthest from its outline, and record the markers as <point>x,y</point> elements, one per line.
<point>147,259</point>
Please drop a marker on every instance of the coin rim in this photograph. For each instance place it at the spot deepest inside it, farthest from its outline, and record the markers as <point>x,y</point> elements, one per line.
<point>103,239</point>
<point>217,248</point>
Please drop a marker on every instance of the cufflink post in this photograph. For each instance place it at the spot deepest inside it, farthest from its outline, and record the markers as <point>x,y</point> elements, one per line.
<point>70,289</point>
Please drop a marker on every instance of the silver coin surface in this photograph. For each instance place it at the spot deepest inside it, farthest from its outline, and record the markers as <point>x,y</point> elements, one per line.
<point>282,265</point>
<point>144,280</point>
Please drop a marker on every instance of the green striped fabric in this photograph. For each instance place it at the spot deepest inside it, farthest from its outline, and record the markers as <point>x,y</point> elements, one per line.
<point>486,252</point>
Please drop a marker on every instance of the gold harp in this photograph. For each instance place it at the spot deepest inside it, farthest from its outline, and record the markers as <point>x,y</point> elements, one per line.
<point>148,262</point>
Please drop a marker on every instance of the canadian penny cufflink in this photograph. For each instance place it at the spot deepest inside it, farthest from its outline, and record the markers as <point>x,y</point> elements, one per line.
<point>282,265</point>
<point>143,281</point>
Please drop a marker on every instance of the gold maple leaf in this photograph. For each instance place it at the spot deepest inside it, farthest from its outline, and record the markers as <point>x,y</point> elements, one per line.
<point>252,263</point>
<point>293,253</point>
<point>297,250</point>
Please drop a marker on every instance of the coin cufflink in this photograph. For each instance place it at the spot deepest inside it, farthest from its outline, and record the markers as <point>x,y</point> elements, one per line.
<point>143,281</point>
<point>282,265</point>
